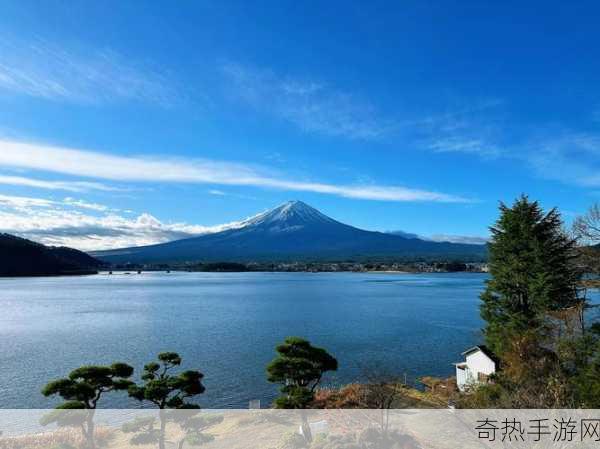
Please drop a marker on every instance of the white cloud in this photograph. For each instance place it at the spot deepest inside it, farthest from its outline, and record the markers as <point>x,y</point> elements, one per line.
<point>85,205</point>
<point>21,202</point>
<point>221,193</point>
<point>70,186</point>
<point>41,69</point>
<point>470,239</point>
<point>311,106</point>
<point>464,145</point>
<point>471,128</point>
<point>68,223</point>
<point>145,169</point>
<point>90,226</point>
<point>572,158</point>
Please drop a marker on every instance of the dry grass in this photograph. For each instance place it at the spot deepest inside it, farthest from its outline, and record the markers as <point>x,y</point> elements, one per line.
<point>348,396</point>
<point>353,396</point>
<point>59,438</point>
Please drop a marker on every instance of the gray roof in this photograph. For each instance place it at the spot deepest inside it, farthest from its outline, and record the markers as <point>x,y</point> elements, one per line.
<point>483,349</point>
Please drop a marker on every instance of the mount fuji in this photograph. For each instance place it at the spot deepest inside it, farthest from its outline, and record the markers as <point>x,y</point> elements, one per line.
<point>292,231</point>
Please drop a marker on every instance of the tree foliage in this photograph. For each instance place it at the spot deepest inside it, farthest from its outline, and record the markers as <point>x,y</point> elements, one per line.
<point>143,430</point>
<point>581,362</point>
<point>84,386</point>
<point>82,390</point>
<point>299,368</point>
<point>167,390</point>
<point>533,272</point>
<point>193,423</point>
<point>535,310</point>
<point>164,389</point>
<point>22,257</point>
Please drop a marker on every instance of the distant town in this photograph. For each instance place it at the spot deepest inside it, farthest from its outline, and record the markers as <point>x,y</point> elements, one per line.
<point>312,267</point>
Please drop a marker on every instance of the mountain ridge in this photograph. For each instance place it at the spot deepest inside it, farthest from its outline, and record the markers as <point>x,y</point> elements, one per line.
<point>291,231</point>
<point>22,257</point>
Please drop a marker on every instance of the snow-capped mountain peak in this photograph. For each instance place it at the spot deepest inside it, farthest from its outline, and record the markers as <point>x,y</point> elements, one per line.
<point>290,215</point>
<point>291,231</point>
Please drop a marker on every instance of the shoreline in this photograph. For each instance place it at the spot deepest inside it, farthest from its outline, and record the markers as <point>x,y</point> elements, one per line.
<point>135,272</point>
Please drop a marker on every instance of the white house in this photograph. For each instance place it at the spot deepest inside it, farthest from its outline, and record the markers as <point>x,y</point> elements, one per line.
<point>479,364</point>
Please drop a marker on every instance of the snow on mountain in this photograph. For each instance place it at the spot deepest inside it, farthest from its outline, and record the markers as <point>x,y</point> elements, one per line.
<point>291,231</point>
<point>290,216</point>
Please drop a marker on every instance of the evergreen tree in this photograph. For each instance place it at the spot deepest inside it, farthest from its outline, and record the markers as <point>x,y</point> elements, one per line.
<point>532,272</point>
<point>193,424</point>
<point>299,368</point>
<point>82,389</point>
<point>143,429</point>
<point>166,390</point>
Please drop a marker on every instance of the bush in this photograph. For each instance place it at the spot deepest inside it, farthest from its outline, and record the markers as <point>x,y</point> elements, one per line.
<point>291,441</point>
<point>369,438</point>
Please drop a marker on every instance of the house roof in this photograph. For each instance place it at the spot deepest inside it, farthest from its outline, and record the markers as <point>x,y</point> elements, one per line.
<point>485,350</point>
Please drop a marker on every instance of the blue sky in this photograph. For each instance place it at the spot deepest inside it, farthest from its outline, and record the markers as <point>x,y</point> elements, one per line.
<point>138,122</point>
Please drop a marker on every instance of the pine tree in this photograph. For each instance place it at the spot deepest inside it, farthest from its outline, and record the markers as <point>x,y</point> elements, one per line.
<point>166,390</point>
<point>533,272</point>
<point>299,368</point>
<point>82,390</point>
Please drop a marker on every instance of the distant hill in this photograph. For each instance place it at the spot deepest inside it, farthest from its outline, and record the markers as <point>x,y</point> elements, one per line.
<point>293,231</point>
<point>406,235</point>
<point>22,257</point>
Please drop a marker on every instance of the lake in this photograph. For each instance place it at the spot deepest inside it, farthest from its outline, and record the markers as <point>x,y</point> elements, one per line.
<point>227,325</point>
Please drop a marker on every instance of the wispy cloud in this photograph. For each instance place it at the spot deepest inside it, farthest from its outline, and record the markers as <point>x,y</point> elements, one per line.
<point>222,193</point>
<point>468,128</point>
<point>69,186</point>
<point>39,68</point>
<point>85,204</point>
<point>464,145</point>
<point>470,239</point>
<point>89,226</point>
<point>313,106</point>
<point>90,164</point>
<point>23,202</point>
<point>572,158</point>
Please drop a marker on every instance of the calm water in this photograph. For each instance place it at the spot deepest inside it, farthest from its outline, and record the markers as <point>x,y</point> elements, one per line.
<point>228,324</point>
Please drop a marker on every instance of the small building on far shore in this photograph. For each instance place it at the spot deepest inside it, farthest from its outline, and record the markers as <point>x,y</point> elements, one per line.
<point>480,363</point>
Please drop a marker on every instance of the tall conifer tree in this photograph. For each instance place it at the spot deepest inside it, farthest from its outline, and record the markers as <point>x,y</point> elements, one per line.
<point>533,272</point>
